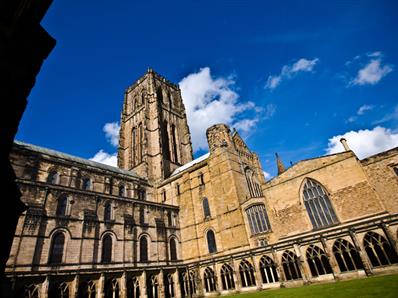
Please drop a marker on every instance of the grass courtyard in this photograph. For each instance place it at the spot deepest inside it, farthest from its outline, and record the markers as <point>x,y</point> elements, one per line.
<point>378,286</point>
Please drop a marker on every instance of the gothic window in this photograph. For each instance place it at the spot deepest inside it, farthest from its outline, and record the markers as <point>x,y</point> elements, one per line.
<point>318,205</point>
<point>108,185</point>
<point>112,288</point>
<point>169,286</point>
<point>63,290</point>
<point>170,100</point>
<point>57,248</point>
<point>159,95</point>
<point>268,270</point>
<point>153,287</point>
<point>140,142</point>
<point>122,190</point>
<point>52,177</point>
<point>209,280</point>
<point>164,195</point>
<point>31,291</point>
<point>258,219</point>
<point>62,206</point>
<point>227,277</point>
<point>107,249</point>
<point>211,241</point>
<point>318,261</point>
<point>133,287</point>
<point>206,208</point>
<point>108,211</point>
<point>142,215</point>
<point>189,288</point>
<point>246,271</point>
<point>165,140</point>
<point>87,289</point>
<point>178,189</point>
<point>379,250</point>
<point>86,185</point>
<point>290,264</point>
<point>133,147</point>
<point>174,142</point>
<point>253,184</point>
<point>173,249</point>
<point>144,249</point>
<point>346,255</point>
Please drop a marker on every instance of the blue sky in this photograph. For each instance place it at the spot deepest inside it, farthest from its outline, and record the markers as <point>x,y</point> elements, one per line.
<point>291,76</point>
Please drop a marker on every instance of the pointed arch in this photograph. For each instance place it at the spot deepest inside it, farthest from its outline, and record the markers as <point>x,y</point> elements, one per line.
<point>107,247</point>
<point>318,205</point>
<point>290,264</point>
<point>57,248</point>
<point>206,208</point>
<point>258,219</point>
<point>144,248</point>
<point>379,250</point>
<point>268,270</point>
<point>173,249</point>
<point>346,255</point>
<point>209,280</point>
<point>133,287</point>
<point>153,286</point>
<point>211,241</point>
<point>318,261</point>
<point>189,284</point>
<point>227,277</point>
<point>253,183</point>
<point>246,271</point>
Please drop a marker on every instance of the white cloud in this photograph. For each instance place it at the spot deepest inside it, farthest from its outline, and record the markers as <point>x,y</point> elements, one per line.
<point>365,142</point>
<point>372,72</point>
<point>105,158</point>
<point>388,117</point>
<point>364,108</point>
<point>288,71</point>
<point>267,175</point>
<point>209,101</point>
<point>111,131</point>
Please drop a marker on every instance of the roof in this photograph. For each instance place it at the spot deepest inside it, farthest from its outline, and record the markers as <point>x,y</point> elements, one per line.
<point>190,164</point>
<point>72,158</point>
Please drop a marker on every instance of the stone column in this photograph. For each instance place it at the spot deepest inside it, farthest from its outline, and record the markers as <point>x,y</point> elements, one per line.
<point>142,282</point>
<point>390,236</point>
<point>279,269</point>
<point>198,282</point>
<point>217,276</point>
<point>45,286</point>
<point>123,285</point>
<point>330,256</point>
<point>257,274</point>
<point>364,258</point>
<point>238,282</point>
<point>161,288</point>
<point>305,270</point>
<point>75,286</point>
<point>177,286</point>
<point>101,285</point>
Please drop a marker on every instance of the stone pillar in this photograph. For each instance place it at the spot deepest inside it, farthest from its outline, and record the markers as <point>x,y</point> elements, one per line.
<point>75,286</point>
<point>279,269</point>
<point>101,286</point>
<point>390,236</point>
<point>177,285</point>
<point>123,285</point>
<point>238,282</point>
<point>330,256</point>
<point>257,274</point>
<point>217,276</point>
<point>45,286</point>
<point>305,270</point>
<point>161,288</point>
<point>198,282</point>
<point>142,282</point>
<point>364,258</point>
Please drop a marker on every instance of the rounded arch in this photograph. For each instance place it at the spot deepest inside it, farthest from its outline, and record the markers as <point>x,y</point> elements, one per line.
<point>112,233</point>
<point>107,248</point>
<point>173,244</point>
<point>57,252</point>
<point>211,240</point>
<point>144,244</point>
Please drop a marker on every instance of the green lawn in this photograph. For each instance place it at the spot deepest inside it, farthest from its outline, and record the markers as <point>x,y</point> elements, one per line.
<point>378,286</point>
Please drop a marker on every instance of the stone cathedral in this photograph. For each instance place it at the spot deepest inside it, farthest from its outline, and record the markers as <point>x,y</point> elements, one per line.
<point>164,225</point>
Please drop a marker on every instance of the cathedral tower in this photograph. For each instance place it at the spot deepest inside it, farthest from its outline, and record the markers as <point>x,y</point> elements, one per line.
<point>154,137</point>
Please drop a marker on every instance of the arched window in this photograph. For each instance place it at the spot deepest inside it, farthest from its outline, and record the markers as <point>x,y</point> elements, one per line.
<point>209,280</point>
<point>268,270</point>
<point>133,287</point>
<point>174,142</point>
<point>86,185</point>
<point>153,287</point>
<point>140,142</point>
<point>170,100</point>
<point>318,205</point>
<point>253,184</point>
<point>173,249</point>
<point>112,288</point>
<point>31,291</point>
<point>133,147</point>
<point>346,255</point>
<point>169,285</point>
<point>122,190</point>
<point>166,140</point>
<point>52,177</point>
<point>87,289</point>
<point>144,249</point>
<point>62,206</point>
<point>108,211</point>
<point>379,250</point>
<point>211,241</point>
<point>57,248</point>
<point>258,219</point>
<point>290,265</point>
<point>206,208</point>
<point>318,261</point>
<point>107,249</point>
<point>63,290</point>
<point>227,277</point>
<point>159,95</point>
<point>246,271</point>
<point>189,288</point>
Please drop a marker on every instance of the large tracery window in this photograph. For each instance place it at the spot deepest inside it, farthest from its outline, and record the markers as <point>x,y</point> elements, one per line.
<point>227,277</point>
<point>346,255</point>
<point>258,219</point>
<point>209,280</point>
<point>246,271</point>
<point>318,261</point>
<point>211,241</point>
<point>253,184</point>
<point>57,248</point>
<point>107,249</point>
<point>268,270</point>
<point>290,264</point>
<point>379,250</point>
<point>318,205</point>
